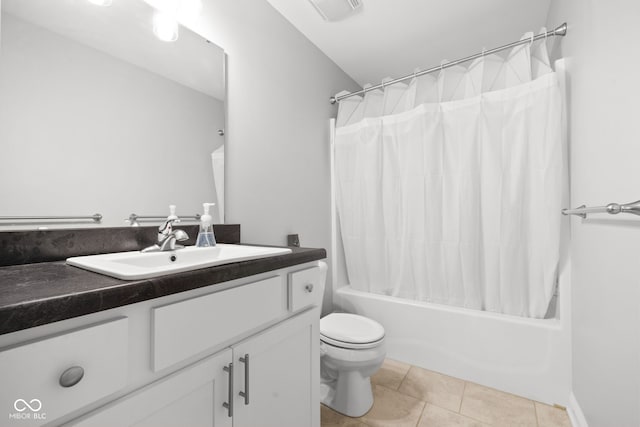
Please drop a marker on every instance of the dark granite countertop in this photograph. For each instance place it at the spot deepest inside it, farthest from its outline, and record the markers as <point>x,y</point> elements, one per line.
<point>45,292</point>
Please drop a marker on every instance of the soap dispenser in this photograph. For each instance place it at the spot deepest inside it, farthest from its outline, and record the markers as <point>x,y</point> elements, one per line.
<point>205,236</point>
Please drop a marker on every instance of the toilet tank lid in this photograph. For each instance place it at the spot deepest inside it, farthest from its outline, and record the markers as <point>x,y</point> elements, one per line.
<point>351,328</point>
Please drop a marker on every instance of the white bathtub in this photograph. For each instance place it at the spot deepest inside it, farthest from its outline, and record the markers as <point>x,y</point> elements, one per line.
<point>527,357</point>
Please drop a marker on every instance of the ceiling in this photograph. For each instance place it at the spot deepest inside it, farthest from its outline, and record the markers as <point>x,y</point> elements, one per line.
<point>391,38</point>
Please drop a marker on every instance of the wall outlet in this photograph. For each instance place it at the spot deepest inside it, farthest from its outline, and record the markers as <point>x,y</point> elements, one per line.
<point>293,240</point>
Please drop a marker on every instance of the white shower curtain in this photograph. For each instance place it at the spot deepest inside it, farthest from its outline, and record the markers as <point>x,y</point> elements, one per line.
<point>449,188</point>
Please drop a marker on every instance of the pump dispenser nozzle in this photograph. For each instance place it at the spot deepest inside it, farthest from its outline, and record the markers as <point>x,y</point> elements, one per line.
<point>172,212</point>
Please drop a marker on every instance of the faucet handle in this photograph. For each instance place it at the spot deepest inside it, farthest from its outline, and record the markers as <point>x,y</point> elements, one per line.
<point>165,228</point>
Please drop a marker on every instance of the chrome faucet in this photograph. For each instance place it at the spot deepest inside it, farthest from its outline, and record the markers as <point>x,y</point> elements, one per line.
<point>167,237</point>
<point>169,242</point>
<point>166,228</point>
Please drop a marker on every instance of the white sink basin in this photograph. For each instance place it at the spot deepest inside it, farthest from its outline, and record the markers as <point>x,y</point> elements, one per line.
<point>138,265</point>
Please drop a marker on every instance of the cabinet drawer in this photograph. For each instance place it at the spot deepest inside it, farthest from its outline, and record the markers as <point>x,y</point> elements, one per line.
<point>190,397</point>
<point>304,287</point>
<point>186,328</point>
<point>31,373</point>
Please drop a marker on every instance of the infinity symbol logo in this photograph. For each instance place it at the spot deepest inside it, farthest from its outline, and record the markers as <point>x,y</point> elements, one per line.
<point>21,405</point>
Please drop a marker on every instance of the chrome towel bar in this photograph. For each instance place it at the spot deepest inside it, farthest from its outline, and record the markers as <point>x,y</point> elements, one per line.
<point>611,208</point>
<point>95,217</point>
<point>133,218</point>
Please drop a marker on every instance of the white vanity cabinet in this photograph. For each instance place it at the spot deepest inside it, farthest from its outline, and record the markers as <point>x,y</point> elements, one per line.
<point>269,379</point>
<point>240,353</point>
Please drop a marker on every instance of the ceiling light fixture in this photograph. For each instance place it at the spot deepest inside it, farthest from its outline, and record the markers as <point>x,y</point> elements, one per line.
<point>165,26</point>
<point>336,10</point>
<point>169,13</point>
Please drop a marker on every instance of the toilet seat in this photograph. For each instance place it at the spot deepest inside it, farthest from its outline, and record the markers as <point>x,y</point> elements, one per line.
<point>350,331</point>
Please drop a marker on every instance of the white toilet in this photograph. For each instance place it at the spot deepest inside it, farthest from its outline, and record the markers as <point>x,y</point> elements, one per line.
<point>351,350</point>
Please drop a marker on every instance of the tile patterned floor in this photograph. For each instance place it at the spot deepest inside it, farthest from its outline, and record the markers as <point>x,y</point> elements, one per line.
<point>406,395</point>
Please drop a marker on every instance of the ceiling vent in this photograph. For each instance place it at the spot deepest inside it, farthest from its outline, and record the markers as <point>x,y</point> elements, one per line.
<point>336,10</point>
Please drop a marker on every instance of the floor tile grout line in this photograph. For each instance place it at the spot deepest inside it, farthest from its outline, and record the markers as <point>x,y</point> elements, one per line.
<point>464,389</point>
<point>424,402</point>
<point>406,374</point>
<point>460,409</point>
<point>389,388</point>
<point>424,407</point>
<point>535,411</point>
<point>476,420</point>
<point>484,422</point>
<point>421,397</point>
<point>459,413</point>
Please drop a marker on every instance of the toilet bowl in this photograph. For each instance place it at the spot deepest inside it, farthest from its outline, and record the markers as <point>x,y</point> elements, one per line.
<point>351,350</point>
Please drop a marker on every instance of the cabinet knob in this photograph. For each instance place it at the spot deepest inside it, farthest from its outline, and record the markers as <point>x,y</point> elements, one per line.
<point>309,287</point>
<point>71,376</point>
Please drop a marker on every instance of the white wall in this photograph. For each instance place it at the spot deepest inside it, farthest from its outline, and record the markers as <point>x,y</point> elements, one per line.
<point>604,137</point>
<point>83,132</point>
<point>277,152</point>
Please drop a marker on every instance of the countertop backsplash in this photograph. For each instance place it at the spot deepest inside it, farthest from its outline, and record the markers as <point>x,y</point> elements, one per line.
<point>27,247</point>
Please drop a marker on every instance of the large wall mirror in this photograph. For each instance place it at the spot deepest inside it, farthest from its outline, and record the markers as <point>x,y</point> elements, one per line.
<point>97,115</point>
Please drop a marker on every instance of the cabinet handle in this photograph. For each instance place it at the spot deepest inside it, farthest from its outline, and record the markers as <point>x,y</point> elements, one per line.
<point>245,393</point>
<point>309,287</point>
<point>71,376</point>
<point>229,405</point>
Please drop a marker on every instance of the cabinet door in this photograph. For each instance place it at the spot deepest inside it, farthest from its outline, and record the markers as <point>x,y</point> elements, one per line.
<point>282,375</point>
<point>193,397</point>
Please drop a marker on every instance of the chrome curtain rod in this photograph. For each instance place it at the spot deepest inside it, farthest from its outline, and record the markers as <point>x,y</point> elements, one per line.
<point>560,31</point>
<point>95,217</point>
